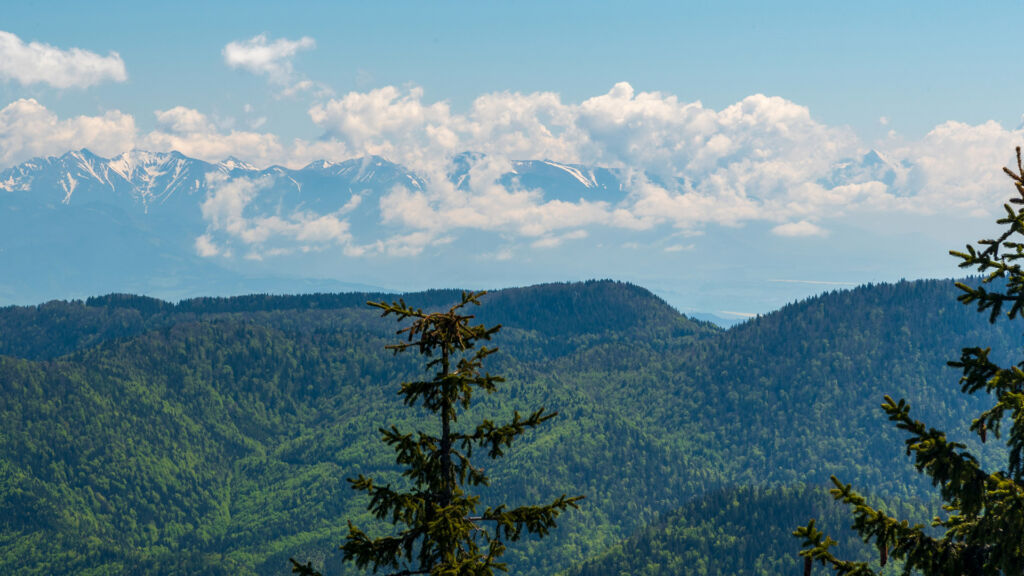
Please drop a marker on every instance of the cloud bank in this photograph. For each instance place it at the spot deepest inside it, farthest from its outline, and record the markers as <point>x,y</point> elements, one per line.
<point>38,63</point>
<point>681,165</point>
<point>231,227</point>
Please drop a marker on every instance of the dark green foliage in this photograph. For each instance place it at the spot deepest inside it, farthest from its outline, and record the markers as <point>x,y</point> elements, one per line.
<point>728,532</point>
<point>196,439</point>
<point>594,306</point>
<point>983,523</point>
<point>440,530</point>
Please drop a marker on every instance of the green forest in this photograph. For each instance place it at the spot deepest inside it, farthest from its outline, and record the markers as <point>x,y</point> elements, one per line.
<point>215,435</point>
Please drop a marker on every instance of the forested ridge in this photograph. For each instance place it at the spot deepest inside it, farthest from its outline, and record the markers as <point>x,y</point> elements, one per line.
<point>214,435</point>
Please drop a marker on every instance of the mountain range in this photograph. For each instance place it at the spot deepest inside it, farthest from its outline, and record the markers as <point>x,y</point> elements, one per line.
<point>171,226</point>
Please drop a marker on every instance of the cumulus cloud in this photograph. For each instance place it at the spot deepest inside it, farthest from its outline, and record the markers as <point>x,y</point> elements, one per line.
<point>192,133</point>
<point>678,165</point>
<point>38,63</point>
<point>230,222</point>
<point>388,123</point>
<point>681,164</point>
<point>956,168</point>
<point>648,130</point>
<point>28,129</point>
<point>260,56</point>
<point>483,202</point>
<point>184,120</point>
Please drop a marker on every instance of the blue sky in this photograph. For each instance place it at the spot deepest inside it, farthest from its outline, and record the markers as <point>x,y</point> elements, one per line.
<point>917,63</point>
<point>783,91</point>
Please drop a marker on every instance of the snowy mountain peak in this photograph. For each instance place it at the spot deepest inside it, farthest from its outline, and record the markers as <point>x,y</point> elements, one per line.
<point>127,163</point>
<point>320,165</point>
<point>231,164</point>
<point>874,158</point>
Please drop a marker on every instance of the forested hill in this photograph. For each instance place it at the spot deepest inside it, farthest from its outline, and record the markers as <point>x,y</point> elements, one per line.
<point>214,435</point>
<point>59,327</point>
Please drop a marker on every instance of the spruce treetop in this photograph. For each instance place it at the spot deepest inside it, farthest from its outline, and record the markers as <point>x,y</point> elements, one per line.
<point>982,531</point>
<point>440,528</point>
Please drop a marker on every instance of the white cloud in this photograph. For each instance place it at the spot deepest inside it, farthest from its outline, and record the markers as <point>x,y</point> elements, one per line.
<point>271,59</point>
<point>957,168</point>
<point>801,228</point>
<point>38,63</point>
<point>227,216</point>
<point>557,240</point>
<point>183,120</point>
<point>685,165</point>
<point>484,203</point>
<point>205,246</point>
<point>401,245</point>
<point>679,248</point>
<point>28,130</point>
<point>682,165</point>
<point>387,123</point>
<point>192,133</point>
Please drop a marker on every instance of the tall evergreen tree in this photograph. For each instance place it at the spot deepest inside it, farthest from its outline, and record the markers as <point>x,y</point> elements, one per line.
<point>984,524</point>
<point>440,528</point>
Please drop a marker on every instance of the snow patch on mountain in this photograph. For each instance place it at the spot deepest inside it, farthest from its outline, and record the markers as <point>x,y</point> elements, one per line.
<point>589,182</point>
<point>231,164</point>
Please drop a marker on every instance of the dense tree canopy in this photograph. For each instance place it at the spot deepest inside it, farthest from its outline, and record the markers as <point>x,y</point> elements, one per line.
<point>982,530</point>
<point>215,435</point>
<point>440,529</point>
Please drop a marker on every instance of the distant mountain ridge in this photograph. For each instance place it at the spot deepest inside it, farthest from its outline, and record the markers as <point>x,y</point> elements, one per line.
<point>151,178</point>
<point>81,224</point>
<point>171,226</point>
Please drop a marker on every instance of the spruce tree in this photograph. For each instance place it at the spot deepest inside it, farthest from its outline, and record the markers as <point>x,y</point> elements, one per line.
<point>440,528</point>
<point>982,531</point>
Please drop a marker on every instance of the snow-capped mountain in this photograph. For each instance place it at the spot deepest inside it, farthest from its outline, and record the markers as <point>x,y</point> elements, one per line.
<point>173,185</point>
<point>151,179</point>
<point>144,178</point>
<point>872,166</point>
<point>81,224</point>
<point>172,226</point>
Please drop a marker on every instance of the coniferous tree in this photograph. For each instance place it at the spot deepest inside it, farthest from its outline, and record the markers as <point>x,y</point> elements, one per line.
<point>440,527</point>
<point>984,522</point>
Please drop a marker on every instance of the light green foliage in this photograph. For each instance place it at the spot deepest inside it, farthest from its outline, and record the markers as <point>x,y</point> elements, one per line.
<point>981,529</point>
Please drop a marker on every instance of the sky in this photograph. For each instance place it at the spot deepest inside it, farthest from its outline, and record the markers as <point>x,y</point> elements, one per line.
<point>751,109</point>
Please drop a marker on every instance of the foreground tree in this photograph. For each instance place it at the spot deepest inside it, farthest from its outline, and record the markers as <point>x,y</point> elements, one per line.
<point>984,525</point>
<point>440,528</point>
